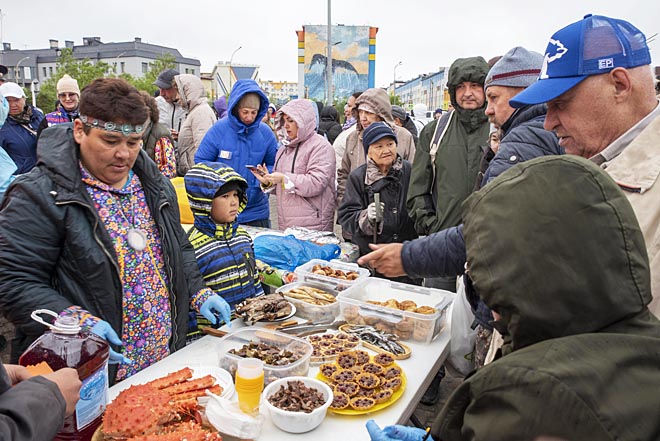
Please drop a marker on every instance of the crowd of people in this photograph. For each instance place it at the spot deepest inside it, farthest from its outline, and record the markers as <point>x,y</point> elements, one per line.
<point>536,191</point>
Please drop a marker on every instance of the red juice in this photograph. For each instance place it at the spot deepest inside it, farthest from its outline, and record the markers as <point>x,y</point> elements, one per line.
<point>67,346</point>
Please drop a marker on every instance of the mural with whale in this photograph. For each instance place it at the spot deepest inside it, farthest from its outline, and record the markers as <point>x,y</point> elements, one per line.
<point>350,60</point>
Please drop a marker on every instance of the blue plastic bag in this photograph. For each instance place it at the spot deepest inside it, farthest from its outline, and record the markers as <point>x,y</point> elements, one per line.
<point>288,253</point>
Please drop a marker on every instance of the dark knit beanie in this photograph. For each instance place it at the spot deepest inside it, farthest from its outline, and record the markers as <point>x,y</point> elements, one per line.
<point>234,184</point>
<point>374,132</point>
<point>398,112</point>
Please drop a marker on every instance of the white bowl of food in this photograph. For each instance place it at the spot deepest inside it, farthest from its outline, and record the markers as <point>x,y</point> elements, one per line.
<point>282,399</point>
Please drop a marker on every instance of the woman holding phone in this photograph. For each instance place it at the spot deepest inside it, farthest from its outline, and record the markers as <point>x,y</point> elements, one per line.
<point>303,177</point>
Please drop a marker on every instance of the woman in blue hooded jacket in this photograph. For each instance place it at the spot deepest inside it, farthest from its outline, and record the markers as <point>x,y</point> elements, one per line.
<point>240,140</point>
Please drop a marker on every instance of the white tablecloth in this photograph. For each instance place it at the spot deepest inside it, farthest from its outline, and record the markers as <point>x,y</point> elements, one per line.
<point>419,369</point>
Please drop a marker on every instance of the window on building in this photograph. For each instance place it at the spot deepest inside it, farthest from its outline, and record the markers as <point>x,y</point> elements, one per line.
<point>145,68</point>
<point>192,71</point>
<point>44,70</point>
<point>50,71</point>
<point>187,70</point>
<point>122,66</point>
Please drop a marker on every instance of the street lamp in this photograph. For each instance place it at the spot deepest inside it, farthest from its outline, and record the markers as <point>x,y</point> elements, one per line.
<point>230,60</point>
<point>17,71</point>
<point>34,91</point>
<point>117,61</point>
<point>394,82</point>
<point>328,59</point>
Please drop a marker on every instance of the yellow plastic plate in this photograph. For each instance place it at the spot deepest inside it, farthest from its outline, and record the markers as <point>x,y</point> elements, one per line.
<point>348,411</point>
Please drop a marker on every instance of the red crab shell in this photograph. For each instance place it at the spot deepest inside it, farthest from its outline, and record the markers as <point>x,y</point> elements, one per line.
<point>155,410</point>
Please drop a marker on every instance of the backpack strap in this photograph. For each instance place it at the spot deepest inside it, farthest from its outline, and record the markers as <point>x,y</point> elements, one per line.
<point>438,134</point>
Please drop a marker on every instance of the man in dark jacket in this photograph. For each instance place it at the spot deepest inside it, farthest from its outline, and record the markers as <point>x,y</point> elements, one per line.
<point>447,159</point>
<point>34,407</point>
<point>580,360</point>
<point>93,232</point>
<point>402,119</point>
<point>523,138</point>
<point>329,123</point>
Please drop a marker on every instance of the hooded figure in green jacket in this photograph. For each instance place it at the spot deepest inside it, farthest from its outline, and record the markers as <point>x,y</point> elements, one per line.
<point>443,175</point>
<point>555,250</point>
<point>565,268</point>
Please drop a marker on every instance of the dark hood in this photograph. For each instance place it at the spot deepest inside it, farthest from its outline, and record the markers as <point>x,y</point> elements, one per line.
<point>237,92</point>
<point>329,113</point>
<point>554,247</point>
<point>474,70</point>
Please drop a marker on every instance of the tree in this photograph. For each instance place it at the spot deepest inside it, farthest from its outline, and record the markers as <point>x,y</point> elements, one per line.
<point>165,61</point>
<point>84,71</point>
<point>395,100</point>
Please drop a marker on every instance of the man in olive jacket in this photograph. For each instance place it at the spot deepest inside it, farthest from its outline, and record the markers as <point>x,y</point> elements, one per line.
<point>581,346</point>
<point>447,160</point>
<point>569,282</point>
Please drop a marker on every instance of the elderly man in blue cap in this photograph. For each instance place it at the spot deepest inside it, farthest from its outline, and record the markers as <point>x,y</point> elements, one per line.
<point>599,86</point>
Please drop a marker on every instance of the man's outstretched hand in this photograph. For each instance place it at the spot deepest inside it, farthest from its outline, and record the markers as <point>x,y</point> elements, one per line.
<point>386,259</point>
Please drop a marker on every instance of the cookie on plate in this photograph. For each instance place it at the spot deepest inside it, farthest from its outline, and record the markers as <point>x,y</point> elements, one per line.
<point>372,368</point>
<point>347,360</point>
<point>340,401</point>
<point>349,388</point>
<point>391,372</point>
<point>384,359</point>
<point>382,395</point>
<point>368,381</point>
<point>328,370</point>
<point>362,356</point>
<point>362,403</point>
<point>343,375</point>
<point>393,383</point>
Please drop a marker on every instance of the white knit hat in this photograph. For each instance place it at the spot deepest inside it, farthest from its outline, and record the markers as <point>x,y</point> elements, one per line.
<point>66,84</point>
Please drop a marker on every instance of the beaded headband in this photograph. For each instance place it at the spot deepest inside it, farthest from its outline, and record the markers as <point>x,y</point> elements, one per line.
<point>124,129</point>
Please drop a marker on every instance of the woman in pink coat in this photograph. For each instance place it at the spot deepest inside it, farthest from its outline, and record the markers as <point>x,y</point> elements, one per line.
<point>304,171</point>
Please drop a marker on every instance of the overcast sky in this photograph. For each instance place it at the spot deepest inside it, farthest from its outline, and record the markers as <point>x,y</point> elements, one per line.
<point>422,34</point>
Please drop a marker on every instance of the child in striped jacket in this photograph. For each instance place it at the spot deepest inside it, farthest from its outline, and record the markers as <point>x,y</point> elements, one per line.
<point>224,251</point>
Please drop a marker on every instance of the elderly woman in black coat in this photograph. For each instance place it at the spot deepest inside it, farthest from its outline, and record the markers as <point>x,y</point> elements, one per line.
<point>385,174</point>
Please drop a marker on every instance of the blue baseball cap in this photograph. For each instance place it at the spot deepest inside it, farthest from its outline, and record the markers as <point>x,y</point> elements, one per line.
<point>592,46</point>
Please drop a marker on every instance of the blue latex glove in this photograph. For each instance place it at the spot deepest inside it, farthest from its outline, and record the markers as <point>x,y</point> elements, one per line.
<point>396,432</point>
<point>105,331</point>
<point>216,304</point>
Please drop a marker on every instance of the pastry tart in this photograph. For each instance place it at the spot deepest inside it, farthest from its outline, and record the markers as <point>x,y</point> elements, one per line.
<point>340,401</point>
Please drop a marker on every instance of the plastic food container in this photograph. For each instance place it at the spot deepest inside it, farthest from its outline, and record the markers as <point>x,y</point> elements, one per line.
<point>305,273</point>
<point>406,324</point>
<point>243,336</point>
<point>309,311</point>
<point>298,422</point>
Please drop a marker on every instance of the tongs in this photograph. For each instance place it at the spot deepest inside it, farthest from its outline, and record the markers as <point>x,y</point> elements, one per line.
<point>309,328</point>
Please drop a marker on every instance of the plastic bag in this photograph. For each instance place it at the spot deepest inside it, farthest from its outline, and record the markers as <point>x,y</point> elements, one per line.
<point>228,419</point>
<point>288,253</point>
<point>462,336</point>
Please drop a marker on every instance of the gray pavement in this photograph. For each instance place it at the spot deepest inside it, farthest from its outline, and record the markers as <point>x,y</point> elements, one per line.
<point>427,414</point>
